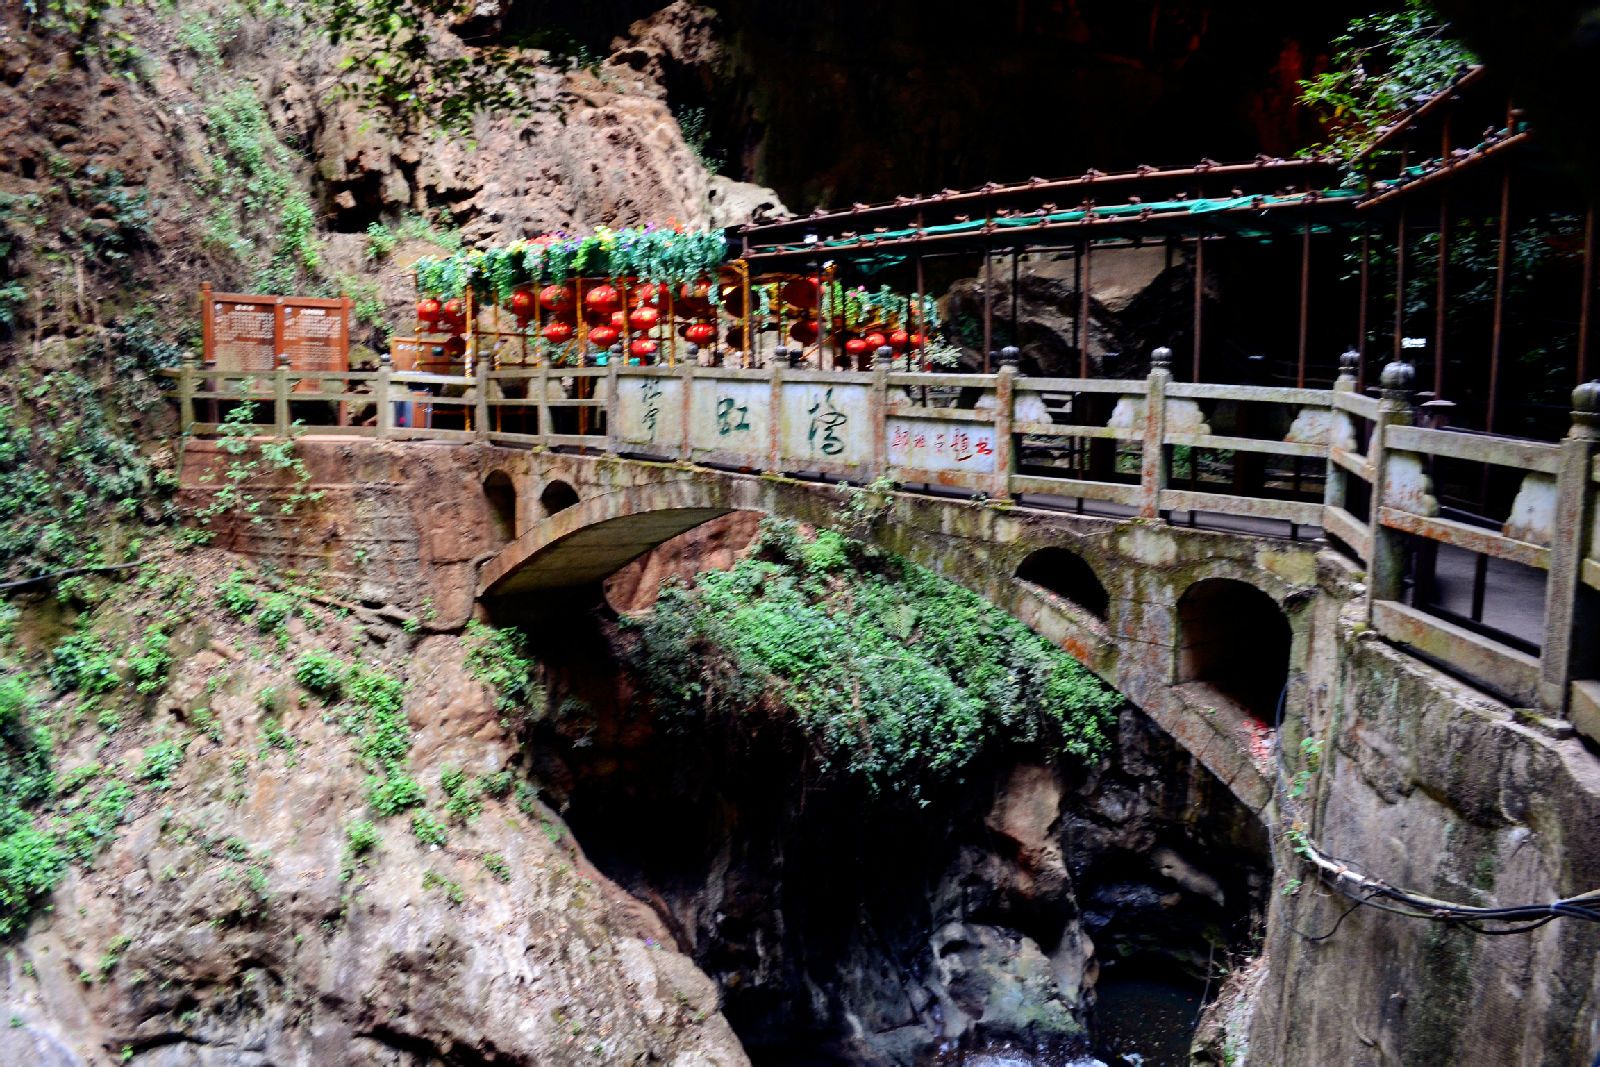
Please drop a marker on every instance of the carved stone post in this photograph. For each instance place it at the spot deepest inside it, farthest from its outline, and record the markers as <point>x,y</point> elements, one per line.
<point>280,396</point>
<point>1005,416</point>
<point>775,365</point>
<point>480,404</point>
<point>686,443</point>
<point>614,361</point>
<point>1569,635</point>
<point>1336,485</point>
<point>878,413</point>
<point>187,371</point>
<point>1152,464</point>
<point>1386,568</point>
<point>380,393</point>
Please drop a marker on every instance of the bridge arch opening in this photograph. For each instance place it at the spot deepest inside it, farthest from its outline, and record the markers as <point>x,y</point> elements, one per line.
<point>557,497</point>
<point>1236,639</point>
<point>1069,576</point>
<point>501,495</point>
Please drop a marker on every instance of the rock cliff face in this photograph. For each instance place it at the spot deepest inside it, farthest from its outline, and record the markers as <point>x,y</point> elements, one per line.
<point>239,917</point>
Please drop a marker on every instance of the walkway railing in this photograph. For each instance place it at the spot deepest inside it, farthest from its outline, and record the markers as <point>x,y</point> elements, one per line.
<point>1353,465</point>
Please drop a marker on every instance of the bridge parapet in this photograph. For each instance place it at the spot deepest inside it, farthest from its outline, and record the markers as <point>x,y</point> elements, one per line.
<point>1142,449</point>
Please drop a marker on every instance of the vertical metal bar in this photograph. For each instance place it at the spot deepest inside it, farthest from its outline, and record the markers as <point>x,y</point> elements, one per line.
<point>921,329</point>
<point>1399,285</point>
<point>1361,311</point>
<point>1440,296</point>
<point>1199,302</point>
<point>988,305</point>
<point>1495,336</point>
<point>1083,309</point>
<point>1305,304</point>
<point>1015,256</point>
<point>1077,327</point>
<point>1586,305</point>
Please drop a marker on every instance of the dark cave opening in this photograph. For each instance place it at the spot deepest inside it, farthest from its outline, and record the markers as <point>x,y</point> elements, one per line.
<point>849,929</point>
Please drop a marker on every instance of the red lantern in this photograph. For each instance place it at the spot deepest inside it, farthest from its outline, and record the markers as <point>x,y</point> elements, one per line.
<point>898,340</point>
<point>800,293</point>
<point>619,319</point>
<point>644,318</point>
<point>701,333</point>
<point>804,331</point>
<point>454,315</point>
<point>602,298</point>
<point>916,340</point>
<point>555,298</point>
<point>428,311</point>
<point>522,304</point>
<point>604,336</point>
<point>649,295</point>
<point>856,346</point>
<point>694,298</point>
<point>643,347</point>
<point>557,333</point>
<point>875,340</point>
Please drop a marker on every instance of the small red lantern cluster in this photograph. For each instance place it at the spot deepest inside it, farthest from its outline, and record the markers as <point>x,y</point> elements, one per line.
<point>700,333</point>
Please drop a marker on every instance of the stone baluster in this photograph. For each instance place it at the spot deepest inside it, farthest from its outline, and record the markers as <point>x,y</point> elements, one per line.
<point>1005,405</point>
<point>1568,647</point>
<point>380,393</point>
<point>775,366</point>
<point>480,403</point>
<point>1386,568</point>
<point>1341,427</point>
<point>280,395</point>
<point>1152,464</point>
<point>879,412</point>
<point>614,361</point>
<point>188,372</point>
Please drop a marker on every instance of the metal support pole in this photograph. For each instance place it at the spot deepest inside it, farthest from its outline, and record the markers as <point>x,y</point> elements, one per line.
<point>1400,287</point>
<point>1586,304</point>
<point>1305,304</point>
<point>1084,281</point>
<point>1495,336</point>
<point>1015,256</point>
<point>1439,296</point>
<point>1199,301</point>
<point>1361,311</point>
<point>988,306</point>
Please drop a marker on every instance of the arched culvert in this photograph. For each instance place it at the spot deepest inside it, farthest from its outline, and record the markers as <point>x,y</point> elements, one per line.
<point>1236,639</point>
<point>557,497</point>
<point>1068,575</point>
<point>501,496</point>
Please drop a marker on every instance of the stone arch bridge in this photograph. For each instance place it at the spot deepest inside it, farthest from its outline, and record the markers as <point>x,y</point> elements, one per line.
<point>1179,620</point>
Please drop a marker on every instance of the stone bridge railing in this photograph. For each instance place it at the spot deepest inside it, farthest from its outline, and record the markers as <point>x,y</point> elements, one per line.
<point>1353,465</point>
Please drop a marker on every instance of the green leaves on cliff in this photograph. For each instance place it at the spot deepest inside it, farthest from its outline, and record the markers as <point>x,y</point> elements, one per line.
<point>894,675</point>
<point>31,863</point>
<point>1383,64</point>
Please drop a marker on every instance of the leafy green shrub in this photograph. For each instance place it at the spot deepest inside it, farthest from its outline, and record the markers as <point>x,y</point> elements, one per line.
<point>320,672</point>
<point>237,595</point>
<point>896,676</point>
<point>498,657</point>
<point>30,867</point>
<point>428,830</point>
<point>380,240</point>
<point>361,837</point>
<point>13,700</point>
<point>275,610</point>
<point>160,760</point>
<point>463,798</point>
<point>151,661</point>
<point>394,794</point>
<point>82,661</point>
<point>88,829</point>
<point>497,866</point>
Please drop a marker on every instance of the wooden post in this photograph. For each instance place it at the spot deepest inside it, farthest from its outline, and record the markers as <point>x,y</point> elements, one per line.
<point>381,390</point>
<point>1386,565</point>
<point>1566,633</point>
<point>1152,465</point>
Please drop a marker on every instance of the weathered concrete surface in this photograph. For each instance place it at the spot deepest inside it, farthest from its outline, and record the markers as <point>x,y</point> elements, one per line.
<point>1429,785</point>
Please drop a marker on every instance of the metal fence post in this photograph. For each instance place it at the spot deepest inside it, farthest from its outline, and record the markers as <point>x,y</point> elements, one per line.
<point>1005,416</point>
<point>280,396</point>
<point>380,392</point>
<point>1386,567</point>
<point>1561,650</point>
<point>1152,463</point>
